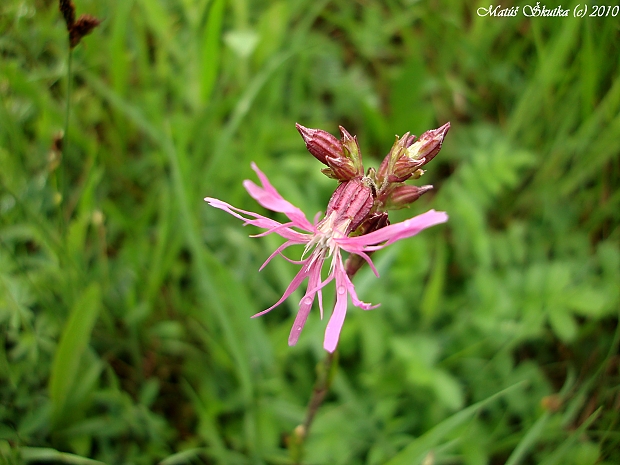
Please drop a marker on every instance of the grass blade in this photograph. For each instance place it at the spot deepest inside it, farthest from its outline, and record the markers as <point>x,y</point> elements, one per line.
<point>73,342</point>
<point>415,452</point>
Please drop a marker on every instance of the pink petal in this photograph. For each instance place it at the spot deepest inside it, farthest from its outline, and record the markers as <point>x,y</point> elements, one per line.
<point>278,251</point>
<point>269,198</point>
<point>357,302</point>
<point>334,326</point>
<point>392,233</point>
<point>305,305</point>
<point>259,221</point>
<point>344,288</point>
<point>294,284</point>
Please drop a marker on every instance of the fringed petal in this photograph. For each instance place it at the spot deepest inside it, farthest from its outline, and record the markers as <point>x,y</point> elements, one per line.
<point>271,199</point>
<point>385,236</point>
<point>305,305</point>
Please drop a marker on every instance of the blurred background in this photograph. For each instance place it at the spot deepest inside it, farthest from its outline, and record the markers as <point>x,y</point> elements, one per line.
<point>125,300</point>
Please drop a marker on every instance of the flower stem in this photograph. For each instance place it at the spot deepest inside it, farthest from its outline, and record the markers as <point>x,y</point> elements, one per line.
<point>68,102</point>
<point>325,374</point>
<point>65,134</point>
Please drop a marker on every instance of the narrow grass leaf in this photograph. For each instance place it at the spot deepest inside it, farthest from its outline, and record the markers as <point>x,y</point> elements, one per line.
<point>433,290</point>
<point>45,454</point>
<point>562,452</point>
<point>529,440</point>
<point>183,457</point>
<point>73,341</point>
<point>241,110</point>
<point>415,452</point>
<point>211,42</point>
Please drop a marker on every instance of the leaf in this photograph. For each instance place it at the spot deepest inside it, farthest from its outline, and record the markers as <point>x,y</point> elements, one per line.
<point>588,301</point>
<point>182,457</point>
<point>210,64</point>
<point>434,289</point>
<point>563,324</point>
<point>415,452</point>
<point>46,454</point>
<point>73,342</point>
<point>532,437</point>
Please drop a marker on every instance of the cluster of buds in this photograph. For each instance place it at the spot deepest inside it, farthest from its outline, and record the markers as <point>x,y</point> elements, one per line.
<point>404,161</point>
<point>366,197</point>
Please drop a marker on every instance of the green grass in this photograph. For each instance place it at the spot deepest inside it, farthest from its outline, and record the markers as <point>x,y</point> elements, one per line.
<point>125,300</point>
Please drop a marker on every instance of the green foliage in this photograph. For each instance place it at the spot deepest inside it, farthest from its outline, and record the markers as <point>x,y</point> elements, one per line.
<point>125,300</point>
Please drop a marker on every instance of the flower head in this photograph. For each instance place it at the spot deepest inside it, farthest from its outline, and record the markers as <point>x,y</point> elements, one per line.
<point>351,224</point>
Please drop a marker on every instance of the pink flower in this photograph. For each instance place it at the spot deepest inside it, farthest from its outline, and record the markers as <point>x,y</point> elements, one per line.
<point>323,240</point>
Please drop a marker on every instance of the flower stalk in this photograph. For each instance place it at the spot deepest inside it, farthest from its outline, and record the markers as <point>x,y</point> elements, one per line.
<point>76,30</point>
<point>325,374</point>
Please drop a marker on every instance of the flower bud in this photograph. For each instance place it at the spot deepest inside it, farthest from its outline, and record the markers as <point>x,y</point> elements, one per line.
<point>352,201</point>
<point>373,223</point>
<point>352,151</point>
<point>396,152</point>
<point>341,169</point>
<point>342,156</point>
<point>428,145</point>
<point>403,195</point>
<point>320,143</point>
<point>404,169</point>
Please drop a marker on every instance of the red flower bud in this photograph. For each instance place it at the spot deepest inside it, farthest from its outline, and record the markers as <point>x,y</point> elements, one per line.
<point>352,201</point>
<point>342,156</point>
<point>320,143</point>
<point>340,168</point>
<point>403,195</point>
<point>373,223</point>
<point>428,145</point>
<point>404,168</point>
<point>352,151</point>
<point>397,153</point>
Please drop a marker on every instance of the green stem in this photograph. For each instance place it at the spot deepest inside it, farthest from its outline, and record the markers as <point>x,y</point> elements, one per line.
<point>325,372</point>
<point>320,389</point>
<point>68,102</point>
<point>65,136</point>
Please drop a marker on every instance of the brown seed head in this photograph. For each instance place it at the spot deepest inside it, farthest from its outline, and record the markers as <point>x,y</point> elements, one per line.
<point>83,26</point>
<point>67,8</point>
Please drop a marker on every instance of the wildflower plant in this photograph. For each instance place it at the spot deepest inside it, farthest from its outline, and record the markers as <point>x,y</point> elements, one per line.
<point>356,220</point>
